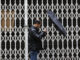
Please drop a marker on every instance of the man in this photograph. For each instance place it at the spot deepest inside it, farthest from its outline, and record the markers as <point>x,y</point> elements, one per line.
<point>34,39</point>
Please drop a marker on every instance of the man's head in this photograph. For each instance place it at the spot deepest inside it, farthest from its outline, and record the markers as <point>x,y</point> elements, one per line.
<point>37,23</point>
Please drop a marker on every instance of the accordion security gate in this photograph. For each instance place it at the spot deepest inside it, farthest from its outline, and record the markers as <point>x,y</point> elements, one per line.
<point>58,47</point>
<point>12,31</point>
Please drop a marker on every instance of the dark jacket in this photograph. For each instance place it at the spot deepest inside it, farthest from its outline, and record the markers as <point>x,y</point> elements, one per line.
<point>34,39</point>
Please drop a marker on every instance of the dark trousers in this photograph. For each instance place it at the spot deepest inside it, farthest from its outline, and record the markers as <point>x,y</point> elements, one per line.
<point>33,55</point>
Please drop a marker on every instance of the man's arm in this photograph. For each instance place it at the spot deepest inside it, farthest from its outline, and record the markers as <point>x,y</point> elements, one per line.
<point>36,35</point>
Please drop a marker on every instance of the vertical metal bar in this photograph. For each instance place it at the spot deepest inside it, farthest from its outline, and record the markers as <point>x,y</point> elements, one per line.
<point>52,36</point>
<point>10,28</point>
<point>42,18</point>
<point>26,31</point>
<point>72,27</point>
<point>15,29</point>
<point>42,29</point>
<point>77,30</point>
<point>37,10</point>
<point>32,10</point>
<point>0,29</point>
<point>67,27</point>
<point>47,33</point>
<point>42,26</point>
<point>62,35</point>
<point>57,33</point>
<point>20,27</point>
<point>5,29</point>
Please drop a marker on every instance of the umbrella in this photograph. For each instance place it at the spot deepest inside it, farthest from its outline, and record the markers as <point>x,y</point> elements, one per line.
<point>57,22</point>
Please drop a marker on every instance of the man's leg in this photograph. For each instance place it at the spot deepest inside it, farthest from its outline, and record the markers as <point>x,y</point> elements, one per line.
<point>33,55</point>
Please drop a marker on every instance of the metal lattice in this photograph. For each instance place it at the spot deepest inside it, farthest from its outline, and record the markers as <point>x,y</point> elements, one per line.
<point>12,37</point>
<point>56,46</point>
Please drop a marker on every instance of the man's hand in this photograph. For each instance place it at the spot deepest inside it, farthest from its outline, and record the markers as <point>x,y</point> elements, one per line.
<point>45,30</point>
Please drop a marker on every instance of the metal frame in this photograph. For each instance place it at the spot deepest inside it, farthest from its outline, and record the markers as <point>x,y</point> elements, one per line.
<point>26,31</point>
